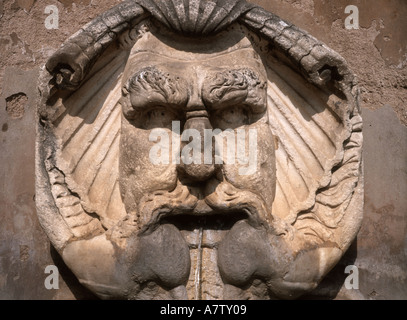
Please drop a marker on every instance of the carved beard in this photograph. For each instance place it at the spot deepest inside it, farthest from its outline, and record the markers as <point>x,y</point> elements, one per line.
<point>185,224</point>
<point>229,223</point>
<point>177,224</point>
<point>223,200</point>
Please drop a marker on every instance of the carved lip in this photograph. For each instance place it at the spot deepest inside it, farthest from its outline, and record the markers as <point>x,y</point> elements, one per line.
<point>207,218</point>
<point>213,223</point>
<point>201,213</point>
<point>213,226</point>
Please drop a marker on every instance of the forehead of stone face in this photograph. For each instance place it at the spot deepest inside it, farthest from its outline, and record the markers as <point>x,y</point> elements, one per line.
<point>227,50</point>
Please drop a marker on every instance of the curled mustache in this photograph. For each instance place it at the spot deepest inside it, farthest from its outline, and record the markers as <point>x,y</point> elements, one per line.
<point>219,197</point>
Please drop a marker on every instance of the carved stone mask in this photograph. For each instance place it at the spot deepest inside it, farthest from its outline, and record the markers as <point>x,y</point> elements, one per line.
<point>204,91</point>
<point>215,163</point>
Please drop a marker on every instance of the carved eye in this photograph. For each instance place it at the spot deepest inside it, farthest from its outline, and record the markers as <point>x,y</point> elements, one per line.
<point>231,117</point>
<point>159,117</point>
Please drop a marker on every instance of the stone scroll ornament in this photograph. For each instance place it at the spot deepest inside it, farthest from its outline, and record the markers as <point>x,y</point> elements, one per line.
<point>133,81</point>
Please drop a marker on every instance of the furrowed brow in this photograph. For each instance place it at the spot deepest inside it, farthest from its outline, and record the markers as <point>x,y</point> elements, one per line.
<point>158,85</point>
<point>233,86</point>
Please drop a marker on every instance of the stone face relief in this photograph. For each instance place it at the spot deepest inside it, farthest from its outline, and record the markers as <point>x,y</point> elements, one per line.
<point>198,150</point>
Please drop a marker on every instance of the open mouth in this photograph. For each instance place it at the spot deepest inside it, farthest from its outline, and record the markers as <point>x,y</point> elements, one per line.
<point>205,230</point>
<point>216,221</point>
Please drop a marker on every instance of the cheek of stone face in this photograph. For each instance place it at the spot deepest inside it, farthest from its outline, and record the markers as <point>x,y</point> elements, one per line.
<point>145,166</point>
<point>254,169</point>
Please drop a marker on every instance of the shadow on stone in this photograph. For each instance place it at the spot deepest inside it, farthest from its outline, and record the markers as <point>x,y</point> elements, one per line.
<point>78,290</point>
<point>330,287</point>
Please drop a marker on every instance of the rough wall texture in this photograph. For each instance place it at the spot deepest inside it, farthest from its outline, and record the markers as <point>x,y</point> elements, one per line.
<point>376,52</point>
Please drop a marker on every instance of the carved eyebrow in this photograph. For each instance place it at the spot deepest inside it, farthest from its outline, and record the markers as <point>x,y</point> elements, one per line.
<point>158,85</point>
<point>237,84</point>
<point>151,78</point>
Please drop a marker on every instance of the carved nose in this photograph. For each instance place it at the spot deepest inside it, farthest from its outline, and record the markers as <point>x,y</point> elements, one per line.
<point>197,162</point>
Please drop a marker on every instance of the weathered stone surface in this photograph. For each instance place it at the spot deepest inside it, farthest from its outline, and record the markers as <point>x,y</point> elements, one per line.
<point>267,215</point>
<point>377,48</point>
<point>196,16</point>
<point>25,4</point>
<point>374,52</point>
<point>15,105</point>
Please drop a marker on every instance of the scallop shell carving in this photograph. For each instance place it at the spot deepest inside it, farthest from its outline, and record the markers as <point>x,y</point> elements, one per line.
<point>196,17</point>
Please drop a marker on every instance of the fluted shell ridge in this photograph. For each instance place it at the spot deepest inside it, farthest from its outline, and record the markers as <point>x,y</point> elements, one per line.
<point>196,17</point>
